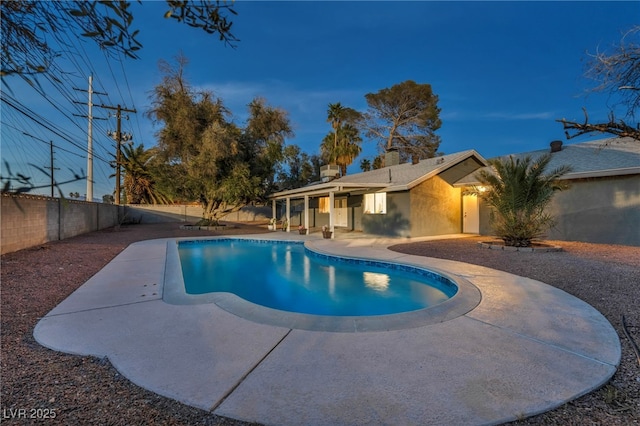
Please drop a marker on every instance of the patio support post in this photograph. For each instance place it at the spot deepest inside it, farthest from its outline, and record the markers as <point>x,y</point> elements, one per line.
<point>287,214</point>
<point>273,209</point>
<point>331,220</point>
<point>306,214</point>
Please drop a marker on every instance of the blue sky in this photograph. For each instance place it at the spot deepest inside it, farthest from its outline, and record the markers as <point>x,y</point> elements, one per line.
<point>503,72</point>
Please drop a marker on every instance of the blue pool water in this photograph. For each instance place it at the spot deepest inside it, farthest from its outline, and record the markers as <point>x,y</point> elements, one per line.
<point>288,277</point>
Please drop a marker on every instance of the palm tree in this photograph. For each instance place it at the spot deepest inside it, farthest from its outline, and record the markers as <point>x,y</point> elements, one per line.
<point>365,165</point>
<point>335,116</point>
<point>341,147</point>
<point>348,147</point>
<point>139,185</point>
<point>519,192</point>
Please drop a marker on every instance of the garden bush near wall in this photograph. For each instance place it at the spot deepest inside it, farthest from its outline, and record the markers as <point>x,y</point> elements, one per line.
<point>29,220</point>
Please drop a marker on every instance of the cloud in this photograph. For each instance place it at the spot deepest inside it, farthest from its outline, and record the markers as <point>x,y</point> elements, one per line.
<point>545,115</point>
<point>460,115</point>
<point>305,106</point>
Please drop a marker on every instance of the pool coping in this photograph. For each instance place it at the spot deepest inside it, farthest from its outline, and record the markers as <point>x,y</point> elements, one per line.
<point>466,298</point>
<point>524,349</point>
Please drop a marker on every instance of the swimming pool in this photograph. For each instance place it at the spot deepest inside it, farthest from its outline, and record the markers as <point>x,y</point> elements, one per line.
<point>261,296</point>
<point>288,277</point>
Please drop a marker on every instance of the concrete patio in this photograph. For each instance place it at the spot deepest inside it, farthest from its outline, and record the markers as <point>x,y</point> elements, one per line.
<point>525,348</point>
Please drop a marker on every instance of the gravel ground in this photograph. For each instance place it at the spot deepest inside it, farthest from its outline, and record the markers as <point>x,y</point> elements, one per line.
<point>87,390</point>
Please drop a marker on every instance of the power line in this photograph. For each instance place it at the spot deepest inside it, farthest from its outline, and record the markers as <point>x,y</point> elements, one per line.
<point>119,138</point>
<point>40,120</point>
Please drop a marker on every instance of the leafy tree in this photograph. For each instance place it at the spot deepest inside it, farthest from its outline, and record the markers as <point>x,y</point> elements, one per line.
<point>139,183</point>
<point>264,140</point>
<point>406,117</point>
<point>519,192</point>
<point>299,169</point>
<point>618,73</point>
<point>29,28</point>
<point>213,160</point>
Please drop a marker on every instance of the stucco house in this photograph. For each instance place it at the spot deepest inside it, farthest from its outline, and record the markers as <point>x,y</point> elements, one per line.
<point>436,196</point>
<point>412,199</point>
<point>602,204</point>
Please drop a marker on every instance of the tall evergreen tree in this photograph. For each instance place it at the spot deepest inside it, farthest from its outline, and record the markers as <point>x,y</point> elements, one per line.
<point>406,117</point>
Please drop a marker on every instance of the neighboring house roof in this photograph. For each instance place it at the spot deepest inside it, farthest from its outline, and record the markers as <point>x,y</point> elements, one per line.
<point>400,177</point>
<point>601,158</point>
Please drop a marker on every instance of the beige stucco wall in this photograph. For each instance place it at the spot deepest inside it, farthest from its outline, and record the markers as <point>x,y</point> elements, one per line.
<point>436,208</point>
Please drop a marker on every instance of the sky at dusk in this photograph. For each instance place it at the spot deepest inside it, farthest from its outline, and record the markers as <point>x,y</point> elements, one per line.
<point>503,73</point>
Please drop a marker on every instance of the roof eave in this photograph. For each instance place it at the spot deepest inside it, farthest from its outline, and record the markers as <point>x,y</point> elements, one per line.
<point>322,189</point>
<point>578,175</point>
<point>444,166</point>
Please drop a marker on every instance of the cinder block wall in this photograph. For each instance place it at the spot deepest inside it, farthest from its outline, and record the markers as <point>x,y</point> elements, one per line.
<point>77,218</point>
<point>190,213</point>
<point>29,220</point>
<point>161,213</point>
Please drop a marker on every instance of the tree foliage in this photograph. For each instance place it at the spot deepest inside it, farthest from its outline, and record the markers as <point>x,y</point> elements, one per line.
<point>618,73</point>
<point>35,32</point>
<point>139,183</point>
<point>342,145</point>
<point>519,193</point>
<point>298,168</point>
<point>206,155</point>
<point>365,165</point>
<point>406,117</point>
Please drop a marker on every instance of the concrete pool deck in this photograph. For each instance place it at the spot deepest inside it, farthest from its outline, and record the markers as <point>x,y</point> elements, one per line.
<point>524,349</point>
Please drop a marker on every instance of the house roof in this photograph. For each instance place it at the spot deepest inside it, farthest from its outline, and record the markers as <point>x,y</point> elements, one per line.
<point>600,158</point>
<point>400,177</point>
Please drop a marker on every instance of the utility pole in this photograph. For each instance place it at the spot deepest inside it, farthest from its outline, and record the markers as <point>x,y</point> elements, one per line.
<point>53,182</point>
<point>119,137</point>
<point>89,196</point>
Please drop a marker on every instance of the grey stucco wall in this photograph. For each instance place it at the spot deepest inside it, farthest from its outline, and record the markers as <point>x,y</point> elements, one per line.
<point>395,223</point>
<point>598,210</point>
<point>603,210</point>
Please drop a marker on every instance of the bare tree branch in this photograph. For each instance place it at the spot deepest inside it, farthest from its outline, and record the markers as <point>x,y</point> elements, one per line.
<point>618,128</point>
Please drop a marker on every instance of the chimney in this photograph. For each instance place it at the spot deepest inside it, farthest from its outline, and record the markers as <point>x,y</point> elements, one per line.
<point>329,172</point>
<point>415,159</point>
<point>556,146</point>
<point>391,157</point>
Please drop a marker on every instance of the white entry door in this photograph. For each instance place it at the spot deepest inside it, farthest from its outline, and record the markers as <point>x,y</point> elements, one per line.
<point>340,212</point>
<point>470,214</point>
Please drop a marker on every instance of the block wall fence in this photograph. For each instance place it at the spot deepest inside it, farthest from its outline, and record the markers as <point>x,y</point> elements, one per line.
<point>30,220</point>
